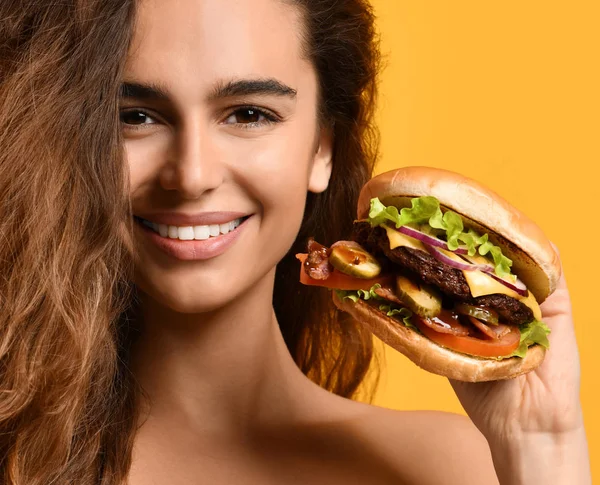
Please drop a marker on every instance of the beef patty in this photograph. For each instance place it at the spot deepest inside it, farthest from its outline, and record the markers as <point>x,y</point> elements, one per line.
<point>427,269</point>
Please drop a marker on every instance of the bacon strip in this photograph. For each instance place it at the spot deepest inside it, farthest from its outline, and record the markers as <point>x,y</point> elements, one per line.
<point>388,294</point>
<point>317,264</point>
<point>495,332</point>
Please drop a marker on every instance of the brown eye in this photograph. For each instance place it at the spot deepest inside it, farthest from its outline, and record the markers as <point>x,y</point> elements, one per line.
<point>135,118</point>
<point>250,117</point>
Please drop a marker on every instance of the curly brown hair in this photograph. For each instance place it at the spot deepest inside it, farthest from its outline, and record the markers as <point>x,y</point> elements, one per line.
<point>68,403</point>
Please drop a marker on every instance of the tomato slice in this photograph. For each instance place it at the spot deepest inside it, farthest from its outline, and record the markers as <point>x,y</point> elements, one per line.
<point>501,347</point>
<point>340,281</point>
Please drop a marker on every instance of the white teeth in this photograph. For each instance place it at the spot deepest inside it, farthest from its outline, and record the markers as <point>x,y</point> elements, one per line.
<point>201,233</point>
<point>189,233</point>
<point>186,233</point>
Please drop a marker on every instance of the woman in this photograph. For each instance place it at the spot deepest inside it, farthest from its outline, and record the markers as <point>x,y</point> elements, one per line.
<point>132,355</point>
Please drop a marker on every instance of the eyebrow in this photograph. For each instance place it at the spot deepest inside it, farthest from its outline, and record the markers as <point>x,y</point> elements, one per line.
<point>246,87</point>
<point>230,89</point>
<point>149,92</point>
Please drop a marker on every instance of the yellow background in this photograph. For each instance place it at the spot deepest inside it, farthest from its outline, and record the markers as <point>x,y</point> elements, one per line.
<point>506,92</point>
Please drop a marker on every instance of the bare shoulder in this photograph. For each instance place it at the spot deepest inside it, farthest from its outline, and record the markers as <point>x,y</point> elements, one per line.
<point>427,447</point>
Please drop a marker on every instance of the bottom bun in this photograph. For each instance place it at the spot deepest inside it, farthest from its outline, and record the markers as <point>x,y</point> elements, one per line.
<point>431,356</point>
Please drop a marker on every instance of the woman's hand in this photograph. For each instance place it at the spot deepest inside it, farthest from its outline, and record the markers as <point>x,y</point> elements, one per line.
<point>544,400</point>
<point>538,408</point>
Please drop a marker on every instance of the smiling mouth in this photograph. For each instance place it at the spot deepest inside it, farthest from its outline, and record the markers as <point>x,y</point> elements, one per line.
<point>191,233</point>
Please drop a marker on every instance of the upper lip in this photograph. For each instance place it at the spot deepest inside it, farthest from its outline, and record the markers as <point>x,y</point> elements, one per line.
<point>184,220</point>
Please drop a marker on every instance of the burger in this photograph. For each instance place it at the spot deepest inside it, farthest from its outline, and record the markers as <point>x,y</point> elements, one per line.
<point>445,271</point>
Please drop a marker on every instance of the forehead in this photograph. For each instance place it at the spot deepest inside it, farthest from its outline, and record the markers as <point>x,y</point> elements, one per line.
<point>202,41</point>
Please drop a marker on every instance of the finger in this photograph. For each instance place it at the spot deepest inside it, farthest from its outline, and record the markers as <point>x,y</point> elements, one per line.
<point>559,302</point>
<point>563,355</point>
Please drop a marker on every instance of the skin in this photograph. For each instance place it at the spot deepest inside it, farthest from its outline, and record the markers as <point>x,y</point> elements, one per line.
<point>227,402</point>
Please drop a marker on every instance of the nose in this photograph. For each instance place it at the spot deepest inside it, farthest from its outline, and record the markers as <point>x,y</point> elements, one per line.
<point>193,165</point>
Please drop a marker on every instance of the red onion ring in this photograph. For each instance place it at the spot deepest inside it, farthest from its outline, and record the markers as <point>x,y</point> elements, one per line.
<point>430,240</point>
<point>518,286</point>
<point>485,267</point>
<point>437,254</point>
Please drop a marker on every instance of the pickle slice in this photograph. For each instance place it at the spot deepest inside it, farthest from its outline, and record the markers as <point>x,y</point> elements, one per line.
<point>485,314</point>
<point>423,300</point>
<point>351,259</point>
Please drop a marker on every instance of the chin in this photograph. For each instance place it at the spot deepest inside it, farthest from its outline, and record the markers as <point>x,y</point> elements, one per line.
<point>188,299</point>
<point>194,293</point>
<point>193,306</point>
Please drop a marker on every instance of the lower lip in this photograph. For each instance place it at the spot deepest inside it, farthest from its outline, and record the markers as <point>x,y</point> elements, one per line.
<point>194,250</point>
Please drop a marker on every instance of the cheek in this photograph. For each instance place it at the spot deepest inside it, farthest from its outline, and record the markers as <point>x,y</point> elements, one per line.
<point>277,174</point>
<point>278,164</point>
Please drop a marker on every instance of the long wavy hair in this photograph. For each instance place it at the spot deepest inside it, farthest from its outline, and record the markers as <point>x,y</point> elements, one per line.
<point>68,403</point>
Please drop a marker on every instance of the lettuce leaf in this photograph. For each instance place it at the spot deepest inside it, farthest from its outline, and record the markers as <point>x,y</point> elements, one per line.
<point>423,209</point>
<point>405,314</point>
<point>501,262</point>
<point>449,222</point>
<point>472,240</point>
<point>389,308</point>
<point>535,332</point>
<point>427,211</point>
<point>355,295</point>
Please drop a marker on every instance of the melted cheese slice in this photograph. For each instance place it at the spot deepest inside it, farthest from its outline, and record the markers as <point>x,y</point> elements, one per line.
<point>532,303</point>
<point>398,239</point>
<point>480,283</point>
<point>483,284</point>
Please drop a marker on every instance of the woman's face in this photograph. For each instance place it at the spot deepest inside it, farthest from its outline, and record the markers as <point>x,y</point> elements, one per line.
<point>219,117</point>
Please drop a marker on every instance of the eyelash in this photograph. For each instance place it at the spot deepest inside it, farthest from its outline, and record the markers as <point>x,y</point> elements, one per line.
<point>269,117</point>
